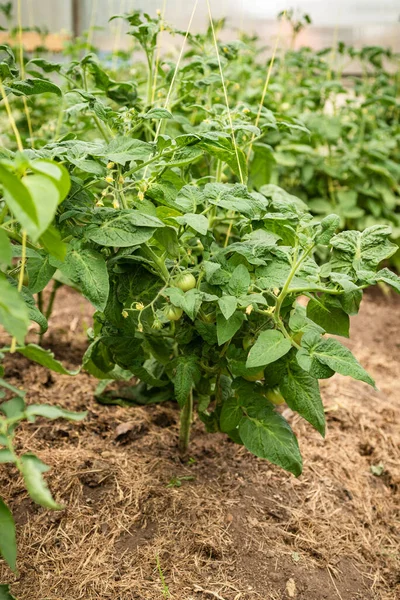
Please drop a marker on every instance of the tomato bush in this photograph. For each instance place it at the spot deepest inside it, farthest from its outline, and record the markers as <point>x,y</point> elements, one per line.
<point>193,218</point>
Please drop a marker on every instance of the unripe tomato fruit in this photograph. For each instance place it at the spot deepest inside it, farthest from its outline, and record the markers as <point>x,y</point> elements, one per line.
<point>248,341</point>
<point>256,377</point>
<point>173,313</point>
<point>275,396</point>
<point>185,282</point>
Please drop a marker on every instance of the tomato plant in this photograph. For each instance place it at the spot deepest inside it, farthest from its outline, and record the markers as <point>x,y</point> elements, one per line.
<point>193,217</point>
<point>166,214</point>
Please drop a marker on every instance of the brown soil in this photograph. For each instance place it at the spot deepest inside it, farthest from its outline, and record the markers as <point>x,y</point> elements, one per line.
<point>224,525</point>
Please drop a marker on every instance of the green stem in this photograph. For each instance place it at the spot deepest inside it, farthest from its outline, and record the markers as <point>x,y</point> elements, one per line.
<point>158,262</point>
<point>121,191</point>
<point>50,305</point>
<point>148,162</point>
<point>218,173</point>
<point>285,289</point>
<point>3,213</point>
<point>186,422</point>
<point>40,301</point>
<point>149,57</point>
<point>101,129</point>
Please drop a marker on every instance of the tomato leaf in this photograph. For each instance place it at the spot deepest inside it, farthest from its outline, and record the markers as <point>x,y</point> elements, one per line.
<point>8,543</point>
<point>269,347</point>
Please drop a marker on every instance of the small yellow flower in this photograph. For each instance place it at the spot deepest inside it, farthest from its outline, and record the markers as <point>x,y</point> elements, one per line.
<point>109,179</point>
<point>236,86</point>
<point>140,328</point>
<point>110,165</point>
<point>139,306</point>
<point>158,11</point>
<point>104,193</point>
<point>276,291</point>
<point>121,179</point>
<point>225,49</point>
<point>125,314</point>
<point>141,195</point>
<point>246,111</point>
<point>99,203</point>
<point>249,309</point>
<point>115,203</point>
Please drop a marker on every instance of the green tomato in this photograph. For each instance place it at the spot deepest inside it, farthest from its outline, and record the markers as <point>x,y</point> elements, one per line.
<point>275,396</point>
<point>257,377</point>
<point>173,313</point>
<point>248,341</point>
<point>185,282</point>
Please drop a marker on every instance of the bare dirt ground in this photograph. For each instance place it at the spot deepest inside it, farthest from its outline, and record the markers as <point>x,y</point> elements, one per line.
<point>224,525</point>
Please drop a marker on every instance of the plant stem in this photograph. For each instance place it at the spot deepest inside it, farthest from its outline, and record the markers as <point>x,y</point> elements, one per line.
<point>3,213</point>
<point>186,422</point>
<point>284,292</point>
<point>11,118</point>
<point>50,305</point>
<point>158,262</point>
<point>20,282</point>
<point>40,301</point>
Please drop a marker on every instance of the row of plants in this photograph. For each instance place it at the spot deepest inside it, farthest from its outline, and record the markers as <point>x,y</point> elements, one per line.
<point>157,197</point>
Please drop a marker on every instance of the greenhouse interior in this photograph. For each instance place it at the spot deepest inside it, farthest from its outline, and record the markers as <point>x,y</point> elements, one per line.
<point>199,300</point>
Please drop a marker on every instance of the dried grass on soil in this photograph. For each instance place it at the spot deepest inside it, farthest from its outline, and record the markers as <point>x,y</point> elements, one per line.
<point>237,528</point>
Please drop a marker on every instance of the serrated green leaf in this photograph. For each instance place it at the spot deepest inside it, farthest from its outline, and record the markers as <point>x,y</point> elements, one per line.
<point>32,470</point>
<point>121,228</point>
<point>197,222</point>
<point>87,268</point>
<point>56,172</point>
<point>268,435</point>
<point>5,457</point>
<point>31,87</point>
<point>227,305</point>
<point>357,252</point>
<point>310,364</point>
<point>388,277</point>
<point>19,201</point>
<point>53,412</point>
<point>13,311</point>
<point>239,282</point>
<point>189,302</point>
<point>5,250</point>
<point>301,393</point>
<point>329,225</point>
<point>269,347</point>
<point>40,272</point>
<point>45,196</point>
<point>123,149</point>
<point>14,408</point>
<point>44,358</point>
<point>328,314</point>
<point>157,113</point>
<point>8,542</point>
<point>5,593</point>
<point>226,328</point>
<point>231,414</point>
<point>52,243</point>
<point>332,353</point>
